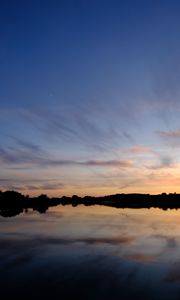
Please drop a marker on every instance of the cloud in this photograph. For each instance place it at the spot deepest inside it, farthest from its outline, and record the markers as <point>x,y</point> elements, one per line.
<point>137,149</point>
<point>77,125</point>
<point>111,163</point>
<point>35,184</point>
<point>45,240</point>
<point>46,186</point>
<point>7,157</point>
<point>17,156</point>
<point>24,151</point>
<point>88,163</point>
<point>171,242</point>
<point>169,134</point>
<point>93,126</point>
<point>143,258</point>
<point>171,137</point>
<point>89,240</point>
<point>28,145</point>
<point>164,162</point>
<point>128,136</point>
<point>130,183</point>
<point>174,274</point>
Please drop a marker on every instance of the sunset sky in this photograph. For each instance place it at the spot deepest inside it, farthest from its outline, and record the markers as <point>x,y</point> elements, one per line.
<point>90,96</point>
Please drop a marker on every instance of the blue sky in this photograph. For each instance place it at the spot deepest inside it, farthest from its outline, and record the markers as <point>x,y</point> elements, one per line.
<point>89,96</point>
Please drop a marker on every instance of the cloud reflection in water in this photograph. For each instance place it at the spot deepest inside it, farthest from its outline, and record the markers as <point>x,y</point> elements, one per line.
<point>90,253</point>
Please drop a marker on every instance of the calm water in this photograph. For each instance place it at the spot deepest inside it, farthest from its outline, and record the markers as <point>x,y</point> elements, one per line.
<point>91,253</point>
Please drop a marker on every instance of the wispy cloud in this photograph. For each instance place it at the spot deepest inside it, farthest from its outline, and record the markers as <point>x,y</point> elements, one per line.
<point>28,145</point>
<point>46,186</point>
<point>143,258</point>
<point>13,155</point>
<point>169,134</point>
<point>108,163</point>
<point>164,162</point>
<point>16,156</point>
<point>171,137</point>
<point>127,240</point>
<point>75,125</point>
<point>93,127</point>
<point>137,149</point>
<point>171,242</point>
<point>35,184</point>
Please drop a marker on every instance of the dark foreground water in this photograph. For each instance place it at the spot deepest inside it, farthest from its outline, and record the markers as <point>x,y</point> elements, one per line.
<point>91,253</point>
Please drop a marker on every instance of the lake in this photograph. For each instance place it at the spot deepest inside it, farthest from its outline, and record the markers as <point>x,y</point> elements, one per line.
<point>91,252</point>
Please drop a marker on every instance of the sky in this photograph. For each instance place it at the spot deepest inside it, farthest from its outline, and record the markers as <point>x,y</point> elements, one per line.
<point>89,96</point>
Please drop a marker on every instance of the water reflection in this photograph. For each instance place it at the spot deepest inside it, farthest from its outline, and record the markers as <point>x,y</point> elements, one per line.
<point>90,253</point>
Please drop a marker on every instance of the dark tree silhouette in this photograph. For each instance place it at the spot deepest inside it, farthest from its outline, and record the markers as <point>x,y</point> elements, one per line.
<point>13,203</point>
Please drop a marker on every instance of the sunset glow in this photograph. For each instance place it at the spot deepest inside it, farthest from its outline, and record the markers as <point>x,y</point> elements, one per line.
<point>89,97</point>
